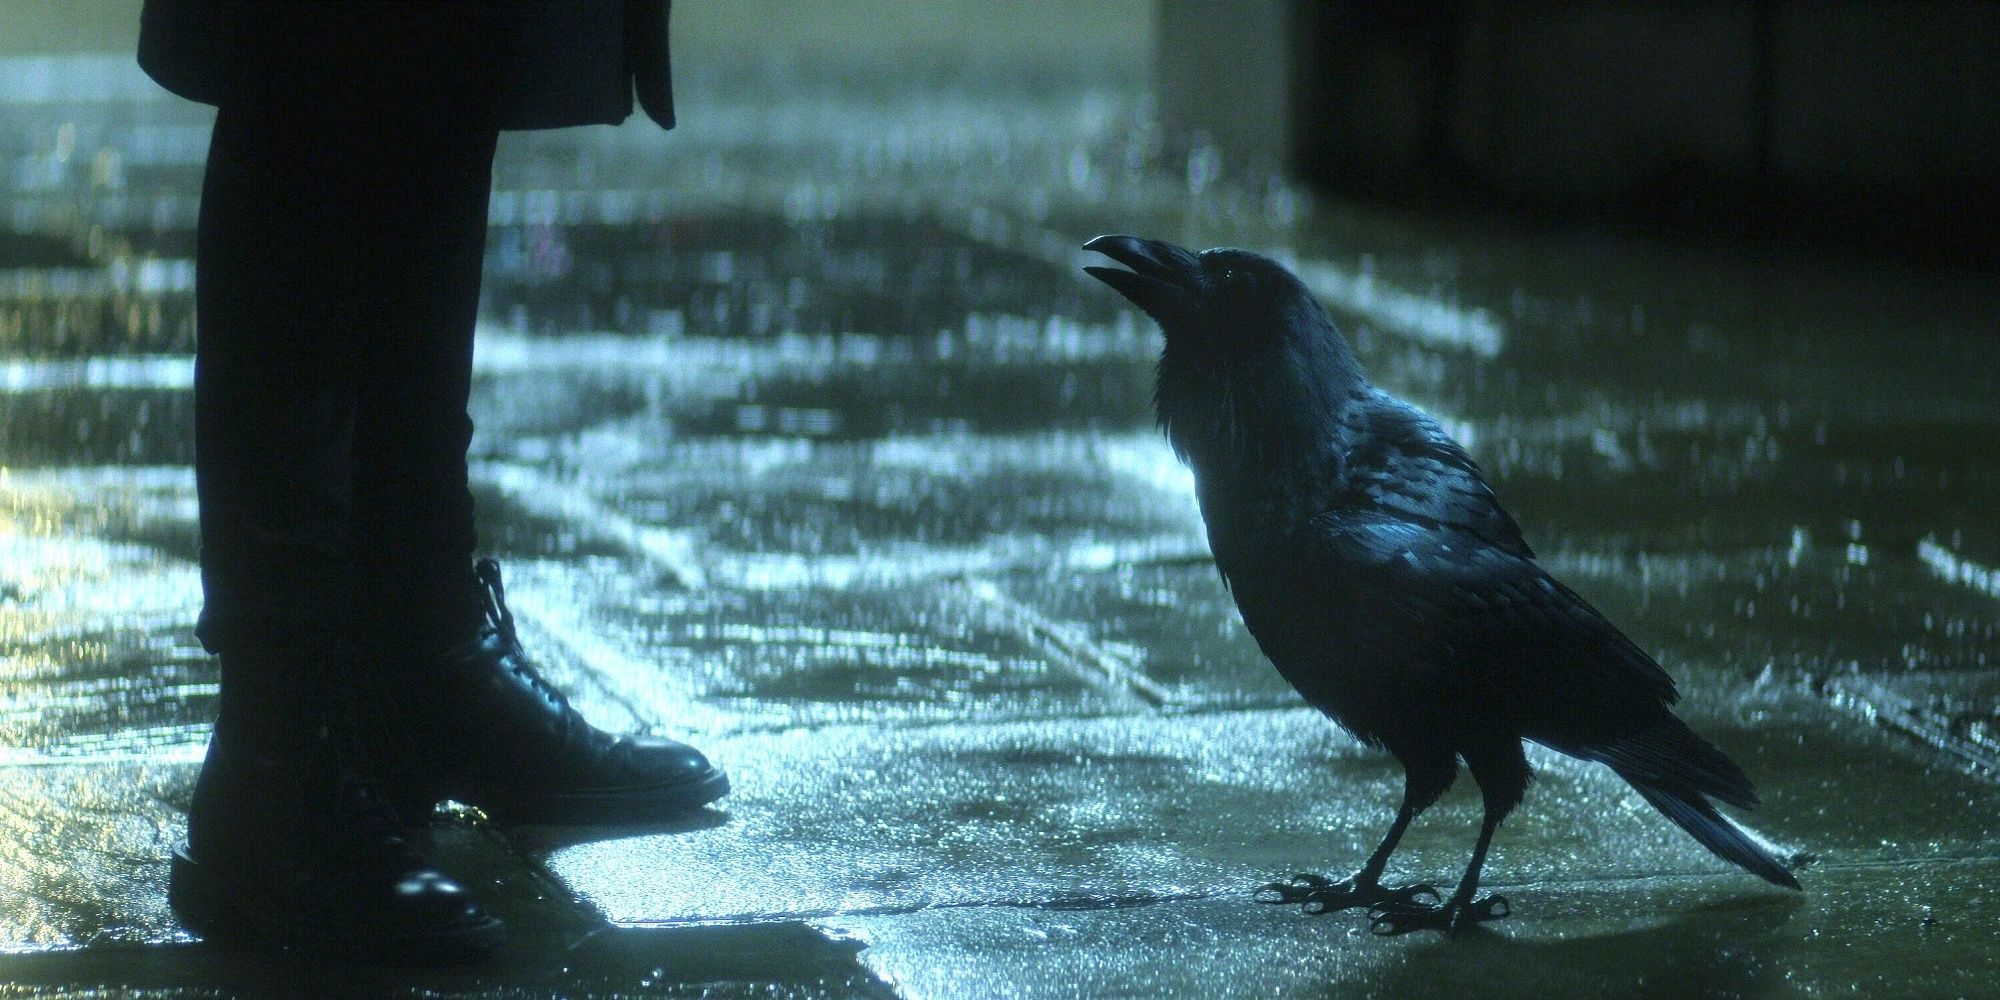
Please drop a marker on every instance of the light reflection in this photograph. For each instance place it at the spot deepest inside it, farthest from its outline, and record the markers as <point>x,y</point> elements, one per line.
<point>1434,319</point>
<point>802,435</point>
<point>1958,569</point>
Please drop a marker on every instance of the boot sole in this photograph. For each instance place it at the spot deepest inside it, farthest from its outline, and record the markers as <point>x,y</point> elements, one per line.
<point>228,911</point>
<point>601,806</point>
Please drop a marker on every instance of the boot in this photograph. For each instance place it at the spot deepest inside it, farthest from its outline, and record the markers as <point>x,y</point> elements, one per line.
<point>290,847</point>
<point>478,723</point>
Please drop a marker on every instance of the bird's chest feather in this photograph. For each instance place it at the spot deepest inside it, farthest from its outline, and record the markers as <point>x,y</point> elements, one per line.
<point>1249,511</point>
<point>1340,633</point>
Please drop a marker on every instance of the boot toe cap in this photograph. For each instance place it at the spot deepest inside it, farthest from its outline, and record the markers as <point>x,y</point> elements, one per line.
<point>657,760</point>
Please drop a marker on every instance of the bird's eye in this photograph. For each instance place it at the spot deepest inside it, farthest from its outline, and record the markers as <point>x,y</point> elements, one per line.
<point>1229,274</point>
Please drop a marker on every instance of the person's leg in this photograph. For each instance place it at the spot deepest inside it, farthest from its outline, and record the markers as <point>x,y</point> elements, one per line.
<point>273,405</point>
<point>413,509</point>
<point>456,709</point>
<point>287,843</point>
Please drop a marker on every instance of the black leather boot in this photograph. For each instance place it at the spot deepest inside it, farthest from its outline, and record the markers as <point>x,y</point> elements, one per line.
<point>479,724</point>
<point>290,847</point>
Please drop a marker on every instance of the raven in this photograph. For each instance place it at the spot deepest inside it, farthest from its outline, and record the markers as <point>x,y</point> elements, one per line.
<point>1377,571</point>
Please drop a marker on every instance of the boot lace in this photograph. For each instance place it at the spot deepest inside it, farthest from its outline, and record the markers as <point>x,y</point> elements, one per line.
<point>501,619</point>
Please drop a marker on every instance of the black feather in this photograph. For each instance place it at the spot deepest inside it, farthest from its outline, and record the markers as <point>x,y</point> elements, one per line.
<point>1692,813</point>
<point>1378,571</point>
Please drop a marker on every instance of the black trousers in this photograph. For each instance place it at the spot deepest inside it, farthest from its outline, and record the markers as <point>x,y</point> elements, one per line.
<point>337,283</point>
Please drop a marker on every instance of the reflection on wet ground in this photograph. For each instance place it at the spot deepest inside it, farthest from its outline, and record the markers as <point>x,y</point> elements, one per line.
<point>802,435</point>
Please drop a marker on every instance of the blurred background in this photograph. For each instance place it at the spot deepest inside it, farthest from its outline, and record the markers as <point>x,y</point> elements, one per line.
<point>804,438</point>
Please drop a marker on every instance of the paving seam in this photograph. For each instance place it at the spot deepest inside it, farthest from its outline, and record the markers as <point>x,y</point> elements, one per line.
<point>1873,702</point>
<point>673,552</point>
<point>1069,645</point>
<point>1074,645</point>
<point>604,666</point>
<point>1136,900</point>
<point>677,552</point>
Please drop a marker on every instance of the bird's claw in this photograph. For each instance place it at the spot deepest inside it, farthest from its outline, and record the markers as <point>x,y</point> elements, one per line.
<point>1407,896</point>
<point>1401,917</point>
<point>1317,894</point>
<point>1293,891</point>
<point>1491,908</point>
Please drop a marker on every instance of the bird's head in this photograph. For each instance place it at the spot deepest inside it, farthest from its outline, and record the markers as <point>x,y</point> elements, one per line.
<point>1250,354</point>
<point>1215,306</point>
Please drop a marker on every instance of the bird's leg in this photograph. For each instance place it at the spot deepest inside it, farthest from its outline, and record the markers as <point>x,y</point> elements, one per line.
<point>1461,910</point>
<point>1319,894</point>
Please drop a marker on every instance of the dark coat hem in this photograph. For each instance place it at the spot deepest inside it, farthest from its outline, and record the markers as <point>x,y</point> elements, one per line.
<point>517,66</point>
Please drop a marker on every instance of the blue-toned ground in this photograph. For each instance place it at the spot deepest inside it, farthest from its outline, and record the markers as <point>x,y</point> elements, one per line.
<point>803,437</point>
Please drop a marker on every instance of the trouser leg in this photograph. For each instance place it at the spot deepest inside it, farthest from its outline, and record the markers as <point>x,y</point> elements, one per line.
<point>274,407</point>
<point>337,288</point>
<point>413,510</point>
<point>337,275</point>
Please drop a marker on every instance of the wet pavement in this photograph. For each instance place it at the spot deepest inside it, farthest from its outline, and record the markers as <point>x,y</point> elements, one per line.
<point>801,436</point>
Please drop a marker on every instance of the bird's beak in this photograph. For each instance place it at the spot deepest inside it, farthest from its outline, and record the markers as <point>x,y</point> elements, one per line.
<point>1163,280</point>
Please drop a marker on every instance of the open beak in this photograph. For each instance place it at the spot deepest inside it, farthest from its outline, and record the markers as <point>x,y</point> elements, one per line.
<point>1164,279</point>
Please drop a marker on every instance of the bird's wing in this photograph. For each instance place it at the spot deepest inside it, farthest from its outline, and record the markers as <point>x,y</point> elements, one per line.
<point>1443,604</point>
<point>1402,463</point>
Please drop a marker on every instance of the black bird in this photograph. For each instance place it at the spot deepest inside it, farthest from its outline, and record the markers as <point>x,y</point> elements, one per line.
<point>1375,568</point>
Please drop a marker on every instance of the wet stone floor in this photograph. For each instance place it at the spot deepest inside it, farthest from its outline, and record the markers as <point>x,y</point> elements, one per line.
<point>802,437</point>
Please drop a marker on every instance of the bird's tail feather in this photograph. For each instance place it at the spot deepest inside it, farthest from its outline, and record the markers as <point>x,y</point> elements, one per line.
<point>1693,813</point>
<point>1678,772</point>
<point>1667,754</point>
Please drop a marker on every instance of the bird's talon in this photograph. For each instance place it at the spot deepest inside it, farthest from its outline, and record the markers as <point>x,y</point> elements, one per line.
<point>1391,922</point>
<point>1404,914</point>
<point>1395,914</point>
<point>1409,894</point>
<point>1295,890</point>
<point>1319,893</point>
<point>1406,903</point>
